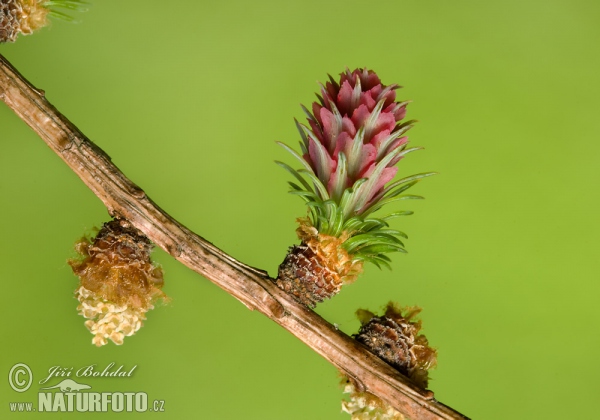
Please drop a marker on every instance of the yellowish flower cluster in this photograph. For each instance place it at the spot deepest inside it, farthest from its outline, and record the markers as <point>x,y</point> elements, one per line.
<point>107,320</point>
<point>365,406</point>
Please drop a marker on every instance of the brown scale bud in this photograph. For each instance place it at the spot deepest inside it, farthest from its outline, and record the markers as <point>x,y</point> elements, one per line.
<point>21,17</point>
<point>395,338</point>
<point>316,269</point>
<point>306,275</point>
<point>118,281</point>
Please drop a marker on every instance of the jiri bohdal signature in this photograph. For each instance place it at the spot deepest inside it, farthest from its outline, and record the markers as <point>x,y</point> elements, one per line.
<point>88,371</point>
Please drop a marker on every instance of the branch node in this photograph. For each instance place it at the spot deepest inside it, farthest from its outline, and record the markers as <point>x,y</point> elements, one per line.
<point>428,394</point>
<point>174,250</point>
<point>137,192</point>
<point>276,309</point>
<point>65,142</point>
<point>358,385</point>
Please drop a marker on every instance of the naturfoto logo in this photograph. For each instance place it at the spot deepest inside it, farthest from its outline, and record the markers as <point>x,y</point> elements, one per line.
<point>69,385</point>
<point>69,395</point>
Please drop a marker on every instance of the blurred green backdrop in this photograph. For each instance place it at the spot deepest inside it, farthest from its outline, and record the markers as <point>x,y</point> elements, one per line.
<point>188,98</point>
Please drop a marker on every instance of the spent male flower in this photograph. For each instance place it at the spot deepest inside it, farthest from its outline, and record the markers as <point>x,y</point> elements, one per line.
<point>118,281</point>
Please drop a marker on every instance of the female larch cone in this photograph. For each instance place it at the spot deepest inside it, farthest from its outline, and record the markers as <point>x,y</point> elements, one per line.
<point>350,147</point>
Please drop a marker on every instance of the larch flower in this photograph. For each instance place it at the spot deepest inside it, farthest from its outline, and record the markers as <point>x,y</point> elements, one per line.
<point>118,281</point>
<point>26,16</point>
<point>354,138</point>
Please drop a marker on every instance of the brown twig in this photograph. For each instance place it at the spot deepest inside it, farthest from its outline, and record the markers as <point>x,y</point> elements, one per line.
<point>251,286</point>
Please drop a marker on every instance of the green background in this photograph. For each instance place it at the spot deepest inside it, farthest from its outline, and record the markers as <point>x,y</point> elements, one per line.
<point>189,97</point>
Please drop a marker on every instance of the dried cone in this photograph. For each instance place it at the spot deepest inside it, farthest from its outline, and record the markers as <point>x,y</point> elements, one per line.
<point>21,17</point>
<point>26,16</point>
<point>395,338</point>
<point>119,282</point>
<point>349,151</point>
<point>316,269</point>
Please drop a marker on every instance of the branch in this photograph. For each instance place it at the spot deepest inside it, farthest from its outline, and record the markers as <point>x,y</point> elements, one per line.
<point>251,286</point>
